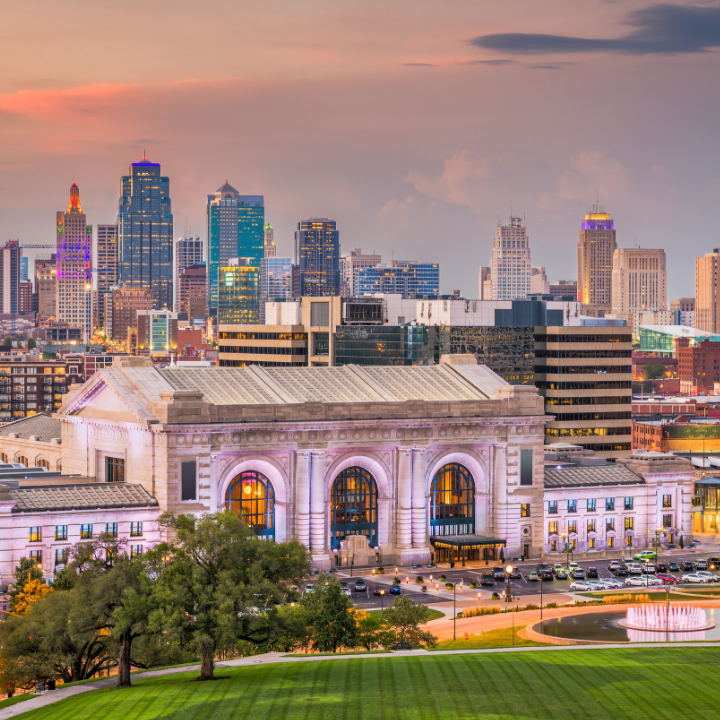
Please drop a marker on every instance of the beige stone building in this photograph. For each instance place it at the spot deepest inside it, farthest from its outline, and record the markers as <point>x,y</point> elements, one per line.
<point>639,281</point>
<point>706,292</point>
<point>596,246</point>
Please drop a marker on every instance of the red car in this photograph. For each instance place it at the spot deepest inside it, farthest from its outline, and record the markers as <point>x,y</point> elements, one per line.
<point>668,579</point>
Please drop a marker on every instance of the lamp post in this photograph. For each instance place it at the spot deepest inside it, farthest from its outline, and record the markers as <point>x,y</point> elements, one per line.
<point>541,592</point>
<point>508,570</point>
<point>454,611</point>
<point>382,601</point>
<point>508,593</point>
<point>564,536</point>
<point>661,531</point>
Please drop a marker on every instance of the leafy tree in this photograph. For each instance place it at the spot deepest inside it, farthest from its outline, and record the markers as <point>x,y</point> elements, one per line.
<point>373,630</point>
<point>654,371</point>
<point>404,617</point>
<point>502,555</point>
<point>27,575</point>
<point>331,614</point>
<point>222,584</point>
<point>31,344</point>
<point>7,340</point>
<point>32,590</point>
<point>681,543</point>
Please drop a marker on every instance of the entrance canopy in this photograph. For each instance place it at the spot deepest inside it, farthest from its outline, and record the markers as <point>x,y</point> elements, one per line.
<point>465,541</point>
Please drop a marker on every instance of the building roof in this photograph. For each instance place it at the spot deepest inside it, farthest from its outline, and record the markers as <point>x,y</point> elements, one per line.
<point>590,476</point>
<point>227,188</point>
<point>95,496</point>
<point>678,331</point>
<point>42,425</point>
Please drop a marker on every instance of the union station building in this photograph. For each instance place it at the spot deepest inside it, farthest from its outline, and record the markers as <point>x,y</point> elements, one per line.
<point>443,463</point>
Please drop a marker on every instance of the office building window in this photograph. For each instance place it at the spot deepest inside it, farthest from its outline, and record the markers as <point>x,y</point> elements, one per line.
<point>553,528</point>
<point>609,524</point>
<point>629,523</point>
<point>61,532</point>
<point>35,534</point>
<point>188,480</point>
<point>136,550</point>
<point>111,529</point>
<point>526,467</point>
<point>609,503</point>
<point>36,557</point>
<point>573,545</point>
<point>591,505</point>
<point>61,556</point>
<point>667,501</point>
<point>552,507</point>
<point>525,510</point>
<point>135,529</point>
<point>114,469</point>
<point>611,543</point>
<point>591,543</point>
<point>591,526</point>
<point>86,532</point>
<point>667,521</point>
<point>553,546</point>
<point>629,503</point>
<point>628,541</point>
<point>572,526</point>
<point>572,506</point>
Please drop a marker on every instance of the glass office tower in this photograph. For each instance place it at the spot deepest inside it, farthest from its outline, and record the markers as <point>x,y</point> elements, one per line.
<point>235,228</point>
<point>276,282</point>
<point>145,233</point>
<point>238,293</point>
<point>404,277</point>
<point>317,253</point>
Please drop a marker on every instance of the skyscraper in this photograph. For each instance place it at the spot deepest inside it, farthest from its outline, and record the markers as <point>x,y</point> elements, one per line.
<point>238,293</point>
<point>107,257</point>
<point>188,252</point>
<point>402,277</point>
<point>73,299</point>
<point>23,268</point>
<point>46,288</point>
<point>145,233</point>
<point>639,280</point>
<point>354,261</point>
<point>10,277</point>
<point>276,281</point>
<point>317,253</point>
<point>706,291</point>
<point>510,267</point>
<point>234,229</point>
<point>270,249</point>
<point>595,257</point>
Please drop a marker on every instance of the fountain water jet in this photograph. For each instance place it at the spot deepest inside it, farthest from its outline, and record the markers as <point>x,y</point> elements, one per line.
<point>658,618</point>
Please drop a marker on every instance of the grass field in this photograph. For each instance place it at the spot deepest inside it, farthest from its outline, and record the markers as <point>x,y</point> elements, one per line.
<point>627,684</point>
<point>490,639</point>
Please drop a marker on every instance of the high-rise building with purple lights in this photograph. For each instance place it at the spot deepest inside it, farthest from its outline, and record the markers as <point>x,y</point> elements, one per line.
<point>73,299</point>
<point>595,262</point>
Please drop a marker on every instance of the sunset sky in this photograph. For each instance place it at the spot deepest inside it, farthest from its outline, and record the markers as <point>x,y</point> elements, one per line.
<point>413,123</point>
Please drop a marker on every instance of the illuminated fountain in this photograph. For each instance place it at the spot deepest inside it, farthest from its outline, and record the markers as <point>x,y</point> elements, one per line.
<point>643,622</point>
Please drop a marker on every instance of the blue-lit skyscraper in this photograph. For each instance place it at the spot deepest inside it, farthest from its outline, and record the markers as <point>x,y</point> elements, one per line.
<point>403,277</point>
<point>276,281</point>
<point>145,233</point>
<point>317,254</point>
<point>23,268</point>
<point>234,229</point>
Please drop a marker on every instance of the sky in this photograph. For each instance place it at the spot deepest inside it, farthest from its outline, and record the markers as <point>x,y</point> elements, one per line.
<point>415,124</point>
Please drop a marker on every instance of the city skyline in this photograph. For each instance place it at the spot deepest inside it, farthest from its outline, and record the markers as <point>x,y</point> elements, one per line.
<point>432,71</point>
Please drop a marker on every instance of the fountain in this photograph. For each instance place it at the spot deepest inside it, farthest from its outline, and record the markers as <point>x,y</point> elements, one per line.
<point>659,618</point>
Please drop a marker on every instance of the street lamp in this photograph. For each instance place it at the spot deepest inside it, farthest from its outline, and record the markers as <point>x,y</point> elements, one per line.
<point>454,611</point>
<point>508,570</point>
<point>382,600</point>
<point>564,536</point>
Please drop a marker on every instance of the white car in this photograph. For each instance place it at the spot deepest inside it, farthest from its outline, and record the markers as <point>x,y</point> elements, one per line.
<point>648,568</point>
<point>643,581</point>
<point>708,575</point>
<point>598,584</point>
<point>612,583</point>
<point>635,568</point>
<point>581,585</point>
<point>695,578</point>
<point>614,565</point>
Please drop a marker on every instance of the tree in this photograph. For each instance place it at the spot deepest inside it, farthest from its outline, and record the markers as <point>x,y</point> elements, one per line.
<point>332,616</point>
<point>31,344</point>
<point>33,590</point>
<point>404,617</point>
<point>221,584</point>
<point>654,371</point>
<point>7,340</point>
<point>28,577</point>
<point>502,555</point>
<point>681,543</point>
<point>373,630</point>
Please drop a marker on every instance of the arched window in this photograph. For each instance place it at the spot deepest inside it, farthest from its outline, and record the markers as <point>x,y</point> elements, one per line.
<point>354,508</point>
<point>452,501</point>
<point>42,463</point>
<point>251,495</point>
<point>3,457</point>
<point>58,465</point>
<point>22,460</point>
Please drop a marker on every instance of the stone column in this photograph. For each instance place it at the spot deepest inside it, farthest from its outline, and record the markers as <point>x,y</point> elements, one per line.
<point>214,489</point>
<point>302,497</point>
<point>318,542</point>
<point>419,501</point>
<point>500,499</point>
<point>404,500</point>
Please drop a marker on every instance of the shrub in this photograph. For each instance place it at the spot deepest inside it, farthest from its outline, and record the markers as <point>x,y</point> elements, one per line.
<point>480,611</point>
<point>495,596</point>
<point>474,585</point>
<point>419,579</point>
<point>380,570</point>
<point>551,605</point>
<point>443,578</point>
<point>424,588</point>
<point>449,585</point>
<point>396,580</point>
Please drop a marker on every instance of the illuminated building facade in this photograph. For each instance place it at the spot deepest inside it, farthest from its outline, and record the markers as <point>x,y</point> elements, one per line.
<point>73,299</point>
<point>404,277</point>
<point>596,247</point>
<point>234,229</point>
<point>238,296</point>
<point>145,233</point>
<point>276,281</point>
<point>511,266</point>
<point>317,252</point>
<point>270,249</point>
<point>106,257</point>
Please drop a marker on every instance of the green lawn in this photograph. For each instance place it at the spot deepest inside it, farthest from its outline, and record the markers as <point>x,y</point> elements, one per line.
<point>491,639</point>
<point>433,614</point>
<point>626,684</point>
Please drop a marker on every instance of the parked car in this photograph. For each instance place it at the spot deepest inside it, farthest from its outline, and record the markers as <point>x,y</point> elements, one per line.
<point>646,555</point>
<point>547,575</point>
<point>395,590</point>
<point>580,586</point>
<point>573,566</point>
<point>377,590</point>
<point>612,583</point>
<point>499,573</point>
<point>714,563</point>
<point>542,567</point>
<point>673,567</point>
<point>662,567</point>
<point>622,571</point>
<point>598,585</point>
<point>533,576</point>
<point>635,569</point>
<point>578,574</point>
<point>360,586</point>
<point>687,566</point>
<point>614,565</point>
<point>701,564</point>
<point>561,574</point>
<point>515,574</point>
<point>709,575</point>
<point>557,567</point>
<point>487,579</point>
<point>309,587</point>
<point>694,578</point>
<point>345,588</point>
<point>667,579</point>
<point>649,568</point>
<point>645,581</point>
<point>592,572</point>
